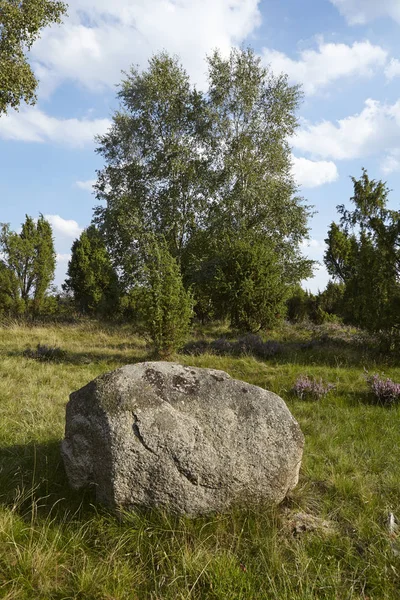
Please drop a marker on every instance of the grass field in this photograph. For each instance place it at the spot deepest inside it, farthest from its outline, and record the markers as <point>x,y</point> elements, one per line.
<point>57,544</point>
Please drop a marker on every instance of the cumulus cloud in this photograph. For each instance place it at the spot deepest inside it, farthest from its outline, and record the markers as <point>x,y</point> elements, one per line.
<point>314,247</point>
<point>315,69</point>
<point>310,174</point>
<point>359,12</point>
<point>392,70</point>
<point>63,258</point>
<point>391,162</point>
<point>86,185</point>
<point>65,228</point>
<point>102,38</point>
<point>374,130</point>
<point>33,125</point>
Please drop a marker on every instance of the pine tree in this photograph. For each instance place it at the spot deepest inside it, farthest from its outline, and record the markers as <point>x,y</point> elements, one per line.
<point>91,277</point>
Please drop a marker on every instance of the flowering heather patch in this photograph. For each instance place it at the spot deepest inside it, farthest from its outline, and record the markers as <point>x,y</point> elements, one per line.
<point>385,391</point>
<point>305,387</point>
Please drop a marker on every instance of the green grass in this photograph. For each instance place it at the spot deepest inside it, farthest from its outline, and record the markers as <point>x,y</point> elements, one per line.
<point>57,544</point>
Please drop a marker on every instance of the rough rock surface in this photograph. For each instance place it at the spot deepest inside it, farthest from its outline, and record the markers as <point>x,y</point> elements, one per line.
<point>188,439</point>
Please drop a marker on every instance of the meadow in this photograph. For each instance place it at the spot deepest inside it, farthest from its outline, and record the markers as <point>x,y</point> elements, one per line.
<point>57,544</point>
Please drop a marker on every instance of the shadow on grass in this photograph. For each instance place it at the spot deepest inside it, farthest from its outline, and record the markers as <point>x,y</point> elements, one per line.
<point>67,357</point>
<point>322,351</point>
<point>32,477</point>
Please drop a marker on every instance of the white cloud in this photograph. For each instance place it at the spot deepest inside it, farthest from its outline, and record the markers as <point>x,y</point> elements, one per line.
<point>310,174</point>
<point>376,129</point>
<point>391,162</point>
<point>65,228</point>
<point>86,185</point>
<point>393,69</point>
<point>359,12</point>
<point>314,249</point>
<point>63,258</point>
<point>101,38</point>
<point>33,125</point>
<point>316,69</point>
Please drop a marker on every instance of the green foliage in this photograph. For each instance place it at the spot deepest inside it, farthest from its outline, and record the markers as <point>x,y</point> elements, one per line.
<point>253,117</point>
<point>298,305</point>
<point>20,25</point>
<point>155,178</point>
<point>91,277</point>
<point>324,307</point>
<point>363,254</point>
<point>249,283</point>
<point>195,167</point>
<point>27,267</point>
<point>331,299</point>
<point>167,307</point>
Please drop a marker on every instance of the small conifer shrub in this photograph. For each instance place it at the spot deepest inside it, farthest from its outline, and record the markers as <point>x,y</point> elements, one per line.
<point>167,307</point>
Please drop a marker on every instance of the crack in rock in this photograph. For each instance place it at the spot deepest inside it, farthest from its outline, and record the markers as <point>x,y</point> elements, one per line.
<point>192,478</point>
<point>139,436</point>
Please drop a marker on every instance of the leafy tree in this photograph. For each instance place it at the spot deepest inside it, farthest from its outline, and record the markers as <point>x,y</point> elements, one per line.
<point>155,178</point>
<point>167,307</point>
<point>20,24</point>
<point>91,277</point>
<point>28,264</point>
<point>197,167</point>
<point>363,254</point>
<point>253,117</point>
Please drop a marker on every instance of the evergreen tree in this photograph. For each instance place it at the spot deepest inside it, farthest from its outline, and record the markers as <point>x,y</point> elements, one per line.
<point>298,305</point>
<point>250,283</point>
<point>91,277</point>
<point>363,254</point>
<point>45,263</point>
<point>167,307</point>
<point>28,265</point>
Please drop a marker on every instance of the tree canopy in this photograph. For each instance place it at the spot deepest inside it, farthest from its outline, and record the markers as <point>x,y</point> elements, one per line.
<point>90,276</point>
<point>363,254</point>
<point>21,22</point>
<point>27,265</point>
<point>194,167</point>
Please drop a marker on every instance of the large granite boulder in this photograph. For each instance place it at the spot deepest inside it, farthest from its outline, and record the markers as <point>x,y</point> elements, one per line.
<point>187,439</point>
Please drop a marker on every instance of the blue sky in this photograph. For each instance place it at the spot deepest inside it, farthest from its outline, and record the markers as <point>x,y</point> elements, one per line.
<point>345,53</point>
